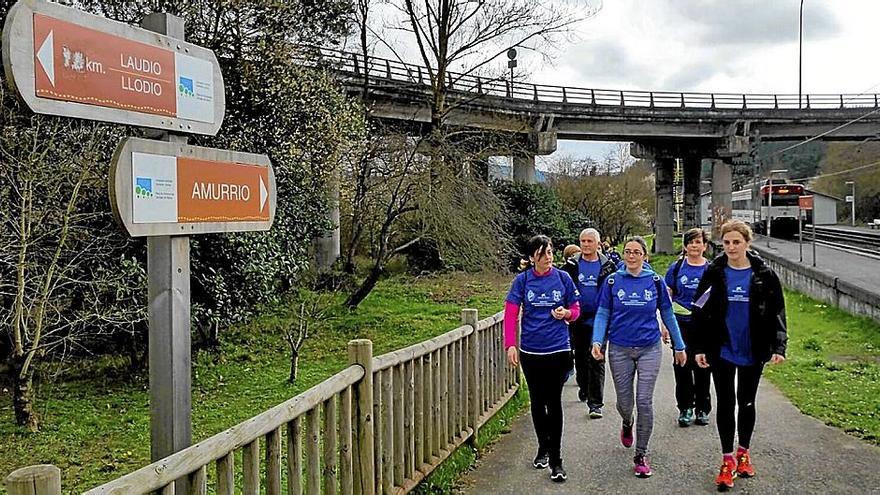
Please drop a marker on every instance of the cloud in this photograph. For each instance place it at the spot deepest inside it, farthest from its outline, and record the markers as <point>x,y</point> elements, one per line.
<point>604,61</point>
<point>748,23</point>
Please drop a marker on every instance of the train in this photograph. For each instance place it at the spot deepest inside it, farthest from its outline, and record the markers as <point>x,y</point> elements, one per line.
<point>779,200</point>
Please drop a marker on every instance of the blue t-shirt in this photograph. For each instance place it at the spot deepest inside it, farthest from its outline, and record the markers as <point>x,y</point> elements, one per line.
<point>538,295</point>
<point>739,349</point>
<point>633,303</point>
<point>588,286</point>
<point>685,287</point>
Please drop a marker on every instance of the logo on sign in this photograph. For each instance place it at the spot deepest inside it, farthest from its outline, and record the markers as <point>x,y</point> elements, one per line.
<point>143,187</point>
<point>185,87</point>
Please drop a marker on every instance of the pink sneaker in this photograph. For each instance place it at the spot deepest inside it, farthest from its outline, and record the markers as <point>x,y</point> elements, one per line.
<point>641,468</point>
<point>626,436</point>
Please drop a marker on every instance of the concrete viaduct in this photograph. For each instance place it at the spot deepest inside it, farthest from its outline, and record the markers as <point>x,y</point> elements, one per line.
<point>662,126</point>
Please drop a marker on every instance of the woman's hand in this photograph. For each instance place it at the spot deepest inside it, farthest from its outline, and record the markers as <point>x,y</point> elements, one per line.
<point>701,361</point>
<point>560,313</point>
<point>597,353</point>
<point>513,356</point>
<point>680,358</point>
<point>777,359</point>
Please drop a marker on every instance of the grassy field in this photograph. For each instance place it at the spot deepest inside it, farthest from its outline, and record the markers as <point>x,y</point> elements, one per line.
<point>832,370</point>
<point>96,423</point>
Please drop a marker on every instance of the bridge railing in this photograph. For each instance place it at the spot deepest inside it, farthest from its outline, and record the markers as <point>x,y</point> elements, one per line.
<point>379,426</point>
<point>379,70</point>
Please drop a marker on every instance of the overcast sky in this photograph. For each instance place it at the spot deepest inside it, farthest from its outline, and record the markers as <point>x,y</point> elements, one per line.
<point>732,46</point>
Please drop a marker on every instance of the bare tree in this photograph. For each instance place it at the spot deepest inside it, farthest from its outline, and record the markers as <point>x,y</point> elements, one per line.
<point>309,317</point>
<point>59,280</point>
<point>394,199</point>
<point>466,36</point>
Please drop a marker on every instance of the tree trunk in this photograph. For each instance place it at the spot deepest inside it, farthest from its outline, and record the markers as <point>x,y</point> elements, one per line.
<point>364,290</point>
<point>23,396</point>
<point>294,366</point>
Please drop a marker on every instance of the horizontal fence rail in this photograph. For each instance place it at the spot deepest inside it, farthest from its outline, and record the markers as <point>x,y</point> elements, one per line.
<point>379,426</point>
<point>377,70</point>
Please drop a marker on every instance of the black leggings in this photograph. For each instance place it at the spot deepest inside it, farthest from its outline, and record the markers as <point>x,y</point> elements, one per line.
<point>544,375</point>
<point>747,379</point>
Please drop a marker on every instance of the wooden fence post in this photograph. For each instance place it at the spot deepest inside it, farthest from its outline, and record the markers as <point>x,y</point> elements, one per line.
<point>471,317</point>
<point>44,479</point>
<point>360,352</point>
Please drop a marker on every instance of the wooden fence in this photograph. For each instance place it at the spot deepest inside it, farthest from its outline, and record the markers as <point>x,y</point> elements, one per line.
<point>377,427</point>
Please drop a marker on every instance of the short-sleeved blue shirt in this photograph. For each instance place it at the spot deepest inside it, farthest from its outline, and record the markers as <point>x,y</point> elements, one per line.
<point>538,295</point>
<point>633,303</point>
<point>588,286</point>
<point>685,287</point>
<point>739,349</point>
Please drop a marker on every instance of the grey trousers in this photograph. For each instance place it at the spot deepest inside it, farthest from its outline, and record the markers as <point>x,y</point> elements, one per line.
<point>642,366</point>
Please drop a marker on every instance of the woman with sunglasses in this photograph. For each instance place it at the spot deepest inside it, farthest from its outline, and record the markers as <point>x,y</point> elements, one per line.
<point>548,299</point>
<point>627,317</point>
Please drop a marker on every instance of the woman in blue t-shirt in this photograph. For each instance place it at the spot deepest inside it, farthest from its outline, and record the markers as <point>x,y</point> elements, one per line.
<point>682,278</point>
<point>548,299</point>
<point>740,316</point>
<point>627,316</point>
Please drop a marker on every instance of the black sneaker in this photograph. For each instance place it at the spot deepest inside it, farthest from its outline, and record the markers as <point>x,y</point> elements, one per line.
<point>595,413</point>
<point>542,461</point>
<point>686,417</point>
<point>702,418</point>
<point>558,474</point>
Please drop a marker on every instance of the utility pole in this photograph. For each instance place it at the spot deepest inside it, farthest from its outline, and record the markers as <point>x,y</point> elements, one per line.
<point>800,52</point>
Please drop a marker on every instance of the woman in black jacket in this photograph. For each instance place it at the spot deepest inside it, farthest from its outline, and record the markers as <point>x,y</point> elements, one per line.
<point>740,311</point>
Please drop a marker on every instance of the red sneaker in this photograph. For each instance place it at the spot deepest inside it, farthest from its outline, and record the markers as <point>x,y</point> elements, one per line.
<point>724,480</point>
<point>744,468</point>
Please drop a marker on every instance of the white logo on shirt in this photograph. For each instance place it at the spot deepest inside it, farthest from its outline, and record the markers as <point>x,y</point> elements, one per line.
<point>580,277</point>
<point>684,279</point>
<point>530,296</point>
<point>648,295</point>
<point>621,294</point>
<point>557,295</point>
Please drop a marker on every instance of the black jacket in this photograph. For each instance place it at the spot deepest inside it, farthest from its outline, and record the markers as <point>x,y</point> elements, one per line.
<point>606,267</point>
<point>767,325</point>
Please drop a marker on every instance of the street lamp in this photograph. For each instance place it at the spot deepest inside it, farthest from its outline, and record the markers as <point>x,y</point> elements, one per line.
<point>852,200</point>
<point>800,51</point>
<point>770,199</point>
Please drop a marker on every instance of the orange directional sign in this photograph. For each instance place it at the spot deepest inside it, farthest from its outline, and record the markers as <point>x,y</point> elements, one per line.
<point>66,62</point>
<point>805,202</point>
<point>163,188</point>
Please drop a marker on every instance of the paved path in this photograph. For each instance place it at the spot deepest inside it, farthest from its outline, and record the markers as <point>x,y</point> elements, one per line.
<point>792,453</point>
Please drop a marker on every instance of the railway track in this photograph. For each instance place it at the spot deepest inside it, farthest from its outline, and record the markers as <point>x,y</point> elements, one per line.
<point>853,241</point>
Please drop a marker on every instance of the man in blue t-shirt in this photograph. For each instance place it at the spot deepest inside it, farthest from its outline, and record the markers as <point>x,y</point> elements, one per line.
<point>588,269</point>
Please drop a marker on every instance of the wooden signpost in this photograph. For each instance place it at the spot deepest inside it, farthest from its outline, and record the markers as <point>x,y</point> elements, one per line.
<point>69,63</point>
<point>64,61</point>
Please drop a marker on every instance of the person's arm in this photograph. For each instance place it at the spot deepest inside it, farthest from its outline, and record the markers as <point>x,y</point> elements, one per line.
<point>603,314</point>
<point>780,324</point>
<point>511,317</point>
<point>574,310</point>
<point>600,325</point>
<point>668,317</point>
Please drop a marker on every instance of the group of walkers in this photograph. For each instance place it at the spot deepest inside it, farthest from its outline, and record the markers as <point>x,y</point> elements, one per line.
<point>724,319</point>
